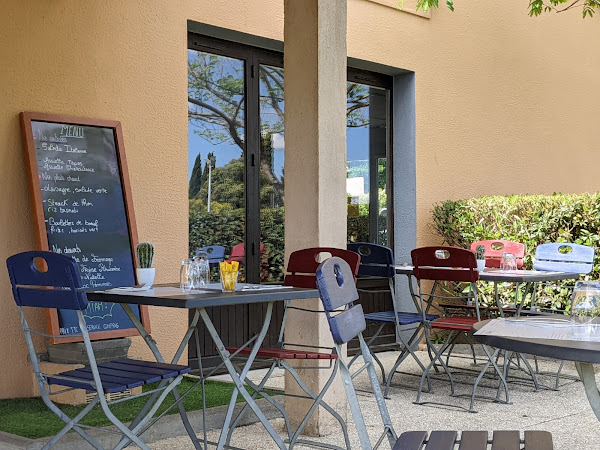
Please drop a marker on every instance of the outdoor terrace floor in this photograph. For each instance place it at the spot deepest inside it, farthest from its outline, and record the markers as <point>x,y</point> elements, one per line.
<point>566,413</point>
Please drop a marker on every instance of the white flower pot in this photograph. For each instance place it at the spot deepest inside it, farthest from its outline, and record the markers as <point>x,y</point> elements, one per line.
<point>145,276</point>
<point>480,264</point>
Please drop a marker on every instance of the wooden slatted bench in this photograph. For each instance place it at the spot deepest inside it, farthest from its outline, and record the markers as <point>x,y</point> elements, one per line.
<point>474,440</point>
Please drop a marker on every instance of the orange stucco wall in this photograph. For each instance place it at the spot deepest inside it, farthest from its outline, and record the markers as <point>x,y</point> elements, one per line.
<point>504,104</point>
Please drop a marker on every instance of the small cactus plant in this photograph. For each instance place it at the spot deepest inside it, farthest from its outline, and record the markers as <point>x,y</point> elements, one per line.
<point>479,252</point>
<point>145,254</point>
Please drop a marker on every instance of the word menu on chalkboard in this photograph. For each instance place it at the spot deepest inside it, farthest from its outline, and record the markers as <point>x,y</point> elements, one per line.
<point>83,209</point>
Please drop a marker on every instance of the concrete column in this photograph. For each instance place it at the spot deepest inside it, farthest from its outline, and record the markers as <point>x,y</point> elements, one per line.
<point>315,169</point>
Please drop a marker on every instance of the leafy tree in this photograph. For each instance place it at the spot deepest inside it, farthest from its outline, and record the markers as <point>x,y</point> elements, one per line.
<point>536,7</point>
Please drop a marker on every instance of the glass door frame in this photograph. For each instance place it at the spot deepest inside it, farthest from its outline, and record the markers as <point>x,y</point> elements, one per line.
<point>252,58</point>
<point>386,82</point>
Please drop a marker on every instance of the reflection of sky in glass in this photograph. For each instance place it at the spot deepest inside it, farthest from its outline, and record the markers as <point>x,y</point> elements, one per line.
<point>357,137</point>
<point>223,147</point>
<point>270,118</point>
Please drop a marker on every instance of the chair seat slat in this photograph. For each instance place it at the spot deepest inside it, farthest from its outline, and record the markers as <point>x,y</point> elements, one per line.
<point>473,440</point>
<point>403,318</point>
<point>411,440</point>
<point>157,365</point>
<point>282,353</point>
<point>506,440</point>
<point>538,440</point>
<point>442,440</point>
<point>145,372</point>
<point>109,384</point>
<point>454,323</point>
<point>133,377</point>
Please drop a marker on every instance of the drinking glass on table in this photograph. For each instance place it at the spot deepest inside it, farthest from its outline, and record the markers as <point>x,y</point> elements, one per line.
<point>186,275</point>
<point>203,269</point>
<point>585,311</point>
<point>508,262</point>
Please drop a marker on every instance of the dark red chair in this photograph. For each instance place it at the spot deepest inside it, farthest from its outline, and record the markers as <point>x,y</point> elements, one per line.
<point>452,264</point>
<point>301,272</point>
<point>238,252</point>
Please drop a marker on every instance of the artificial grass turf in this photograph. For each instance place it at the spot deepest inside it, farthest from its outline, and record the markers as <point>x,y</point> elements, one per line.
<point>31,418</point>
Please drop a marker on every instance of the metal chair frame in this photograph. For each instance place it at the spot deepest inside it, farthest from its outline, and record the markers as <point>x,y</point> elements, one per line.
<point>346,321</point>
<point>457,265</point>
<point>378,261</point>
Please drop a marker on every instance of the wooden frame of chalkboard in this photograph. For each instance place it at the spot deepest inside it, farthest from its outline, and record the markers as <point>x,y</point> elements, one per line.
<point>67,173</point>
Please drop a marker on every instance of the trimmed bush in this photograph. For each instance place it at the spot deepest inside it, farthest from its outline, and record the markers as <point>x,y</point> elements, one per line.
<point>530,219</point>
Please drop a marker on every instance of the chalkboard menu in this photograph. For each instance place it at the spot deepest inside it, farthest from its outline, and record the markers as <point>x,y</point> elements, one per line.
<point>83,209</point>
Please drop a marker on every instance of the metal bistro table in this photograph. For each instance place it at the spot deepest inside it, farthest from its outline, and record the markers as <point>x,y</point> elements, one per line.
<point>170,296</point>
<point>583,353</point>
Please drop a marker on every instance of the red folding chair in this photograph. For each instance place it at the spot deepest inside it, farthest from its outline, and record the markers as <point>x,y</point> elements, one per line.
<point>452,264</point>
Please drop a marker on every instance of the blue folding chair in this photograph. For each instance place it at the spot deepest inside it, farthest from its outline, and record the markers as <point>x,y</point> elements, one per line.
<point>338,293</point>
<point>347,321</point>
<point>560,257</point>
<point>215,253</point>
<point>49,280</point>
<point>377,261</point>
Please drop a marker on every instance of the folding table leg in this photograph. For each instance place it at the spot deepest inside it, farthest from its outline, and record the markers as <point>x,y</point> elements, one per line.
<point>586,373</point>
<point>237,379</point>
<point>151,343</point>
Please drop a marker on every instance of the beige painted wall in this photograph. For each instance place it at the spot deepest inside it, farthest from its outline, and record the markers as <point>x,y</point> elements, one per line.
<point>497,92</point>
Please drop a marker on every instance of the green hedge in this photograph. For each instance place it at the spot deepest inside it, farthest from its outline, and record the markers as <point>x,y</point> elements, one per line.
<point>530,219</point>
<point>225,226</point>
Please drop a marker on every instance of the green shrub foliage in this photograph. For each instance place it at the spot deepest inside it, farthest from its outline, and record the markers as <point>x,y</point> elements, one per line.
<point>530,219</point>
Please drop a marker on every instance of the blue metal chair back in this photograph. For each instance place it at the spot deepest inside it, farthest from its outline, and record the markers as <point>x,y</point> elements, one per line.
<point>215,253</point>
<point>375,260</point>
<point>335,282</point>
<point>564,257</point>
<point>46,280</point>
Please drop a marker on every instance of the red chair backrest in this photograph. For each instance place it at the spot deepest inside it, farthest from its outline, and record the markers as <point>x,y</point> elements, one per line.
<point>303,264</point>
<point>494,249</point>
<point>238,252</point>
<point>444,263</point>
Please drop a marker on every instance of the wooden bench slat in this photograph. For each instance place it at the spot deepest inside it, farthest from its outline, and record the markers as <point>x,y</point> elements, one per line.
<point>506,440</point>
<point>473,440</point>
<point>538,440</point>
<point>442,440</point>
<point>411,440</point>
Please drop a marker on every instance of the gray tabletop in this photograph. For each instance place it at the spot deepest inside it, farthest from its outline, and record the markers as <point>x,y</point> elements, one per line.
<point>580,351</point>
<point>170,296</point>
<point>517,276</point>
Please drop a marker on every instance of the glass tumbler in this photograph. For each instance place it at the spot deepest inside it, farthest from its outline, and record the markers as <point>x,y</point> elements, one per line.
<point>186,281</point>
<point>203,268</point>
<point>508,262</point>
<point>585,311</point>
